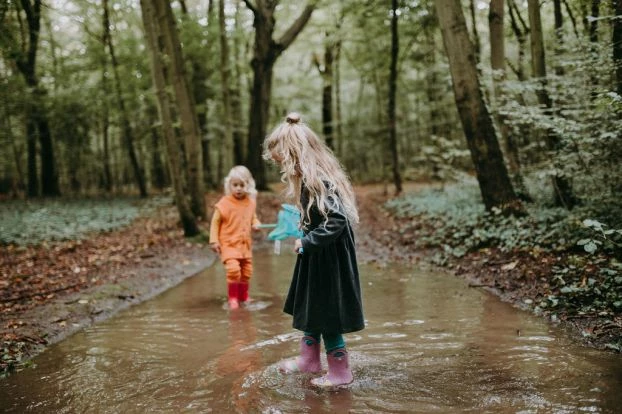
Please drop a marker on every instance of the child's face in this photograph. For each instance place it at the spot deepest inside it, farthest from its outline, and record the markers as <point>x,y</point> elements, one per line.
<point>238,188</point>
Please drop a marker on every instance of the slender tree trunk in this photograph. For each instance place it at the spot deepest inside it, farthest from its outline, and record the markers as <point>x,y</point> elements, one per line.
<point>616,40</point>
<point>432,84</point>
<point>185,106</point>
<point>520,29</point>
<point>559,35</point>
<point>159,176</point>
<point>327,95</point>
<point>593,24</point>
<point>338,117</point>
<point>563,190</point>
<point>326,72</point>
<point>49,175</point>
<point>225,77</point>
<point>497,63</point>
<point>105,110</point>
<point>239,144</point>
<point>160,73</point>
<point>476,42</point>
<point>31,142</point>
<point>266,51</point>
<point>573,20</point>
<point>494,182</point>
<point>128,134</point>
<point>37,125</point>
<point>395,49</point>
<point>201,77</point>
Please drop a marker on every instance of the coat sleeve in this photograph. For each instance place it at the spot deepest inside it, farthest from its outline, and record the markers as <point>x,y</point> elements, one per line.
<point>214,227</point>
<point>327,232</point>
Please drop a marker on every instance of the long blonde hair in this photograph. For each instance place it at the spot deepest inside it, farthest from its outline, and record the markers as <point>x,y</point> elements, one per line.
<point>243,174</point>
<point>306,161</point>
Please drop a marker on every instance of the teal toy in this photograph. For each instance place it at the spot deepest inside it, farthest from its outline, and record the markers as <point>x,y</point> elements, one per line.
<point>286,226</point>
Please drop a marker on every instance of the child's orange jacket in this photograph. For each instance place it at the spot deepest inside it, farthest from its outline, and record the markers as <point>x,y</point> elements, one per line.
<point>231,227</point>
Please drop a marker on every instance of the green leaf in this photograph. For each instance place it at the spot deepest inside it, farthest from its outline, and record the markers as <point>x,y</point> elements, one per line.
<point>590,247</point>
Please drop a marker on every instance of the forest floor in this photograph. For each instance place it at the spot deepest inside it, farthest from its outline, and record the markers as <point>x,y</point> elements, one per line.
<point>51,290</point>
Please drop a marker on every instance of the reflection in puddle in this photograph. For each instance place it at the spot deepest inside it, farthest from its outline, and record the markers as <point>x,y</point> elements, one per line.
<point>431,345</point>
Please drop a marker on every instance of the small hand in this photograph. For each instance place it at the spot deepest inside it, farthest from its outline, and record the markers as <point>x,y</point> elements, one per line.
<point>256,227</point>
<point>298,246</point>
<point>215,247</point>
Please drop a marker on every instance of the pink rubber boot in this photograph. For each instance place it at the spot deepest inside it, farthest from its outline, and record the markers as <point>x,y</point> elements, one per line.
<point>232,291</point>
<point>308,361</point>
<point>243,292</point>
<point>339,372</point>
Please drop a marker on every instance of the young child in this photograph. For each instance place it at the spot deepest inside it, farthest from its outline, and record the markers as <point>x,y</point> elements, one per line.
<point>325,296</point>
<point>230,232</point>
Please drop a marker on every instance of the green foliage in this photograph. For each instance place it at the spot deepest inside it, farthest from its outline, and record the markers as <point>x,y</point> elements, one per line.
<point>581,293</point>
<point>33,222</point>
<point>601,236</point>
<point>586,121</point>
<point>460,224</point>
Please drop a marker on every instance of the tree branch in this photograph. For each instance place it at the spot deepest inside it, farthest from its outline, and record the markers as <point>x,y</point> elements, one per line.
<point>251,6</point>
<point>513,68</point>
<point>32,16</point>
<point>572,19</point>
<point>290,34</point>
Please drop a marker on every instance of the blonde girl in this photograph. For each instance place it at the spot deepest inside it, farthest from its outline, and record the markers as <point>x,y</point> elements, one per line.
<point>324,297</point>
<point>230,232</point>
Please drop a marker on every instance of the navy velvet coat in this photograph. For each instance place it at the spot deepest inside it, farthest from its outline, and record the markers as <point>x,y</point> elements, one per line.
<point>325,293</point>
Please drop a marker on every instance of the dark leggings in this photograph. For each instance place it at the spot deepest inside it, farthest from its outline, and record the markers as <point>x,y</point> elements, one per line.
<point>331,341</point>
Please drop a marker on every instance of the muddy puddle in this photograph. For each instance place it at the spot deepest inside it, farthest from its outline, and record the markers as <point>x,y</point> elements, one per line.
<point>432,344</point>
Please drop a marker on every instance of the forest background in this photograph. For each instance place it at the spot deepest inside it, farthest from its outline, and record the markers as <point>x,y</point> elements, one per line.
<point>509,111</point>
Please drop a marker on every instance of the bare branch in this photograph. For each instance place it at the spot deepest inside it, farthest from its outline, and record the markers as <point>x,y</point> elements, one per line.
<point>251,6</point>
<point>290,34</point>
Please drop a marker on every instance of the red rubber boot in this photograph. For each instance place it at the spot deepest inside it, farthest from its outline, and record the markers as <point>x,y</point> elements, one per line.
<point>243,292</point>
<point>308,361</point>
<point>339,372</point>
<point>233,295</point>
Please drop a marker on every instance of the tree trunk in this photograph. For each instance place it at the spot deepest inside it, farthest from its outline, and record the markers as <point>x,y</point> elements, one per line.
<point>476,41</point>
<point>225,77</point>
<point>497,63</point>
<point>185,106</point>
<point>159,176</point>
<point>128,134</point>
<point>559,35</point>
<point>160,72</point>
<point>338,118</point>
<point>199,80</point>
<point>239,145</point>
<point>573,21</point>
<point>327,94</point>
<point>107,177</point>
<point>520,32</point>
<point>431,85</point>
<point>31,142</point>
<point>616,40</point>
<point>391,118</point>
<point>37,125</point>
<point>593,24</point>
<point>326,72</point>
<point>266,50</point>
<point>563,190</point>
<point>492,175</point>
